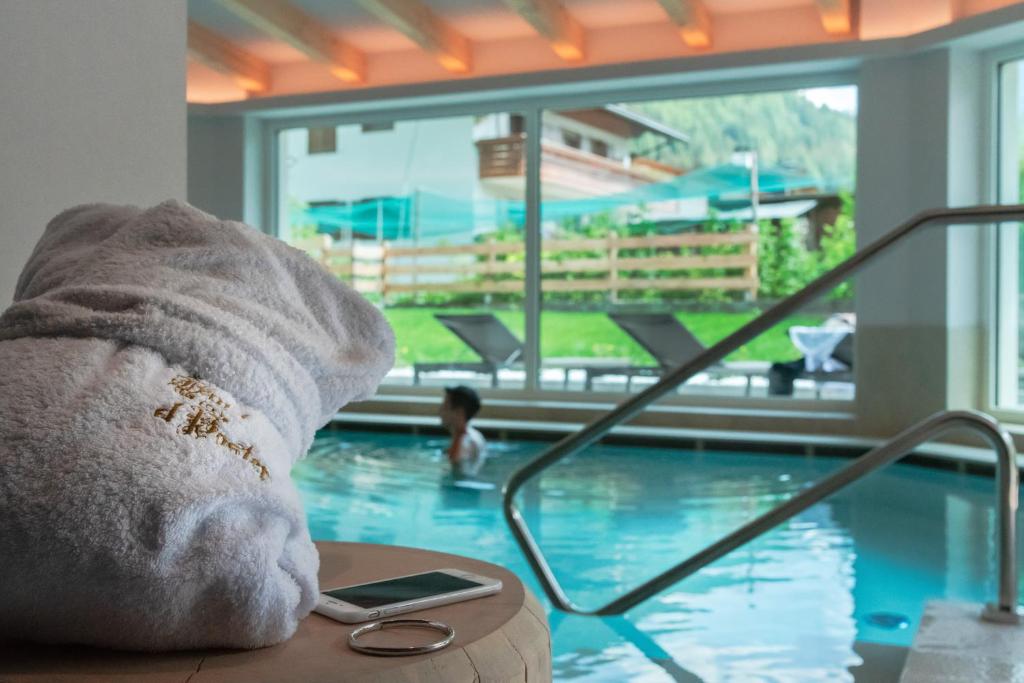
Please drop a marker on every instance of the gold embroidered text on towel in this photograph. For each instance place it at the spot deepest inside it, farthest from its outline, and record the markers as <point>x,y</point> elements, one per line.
<point>204,413</point>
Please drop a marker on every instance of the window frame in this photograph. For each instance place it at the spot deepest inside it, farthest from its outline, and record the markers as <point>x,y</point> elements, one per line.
<point>532,105</point>
<point>1001,252</point>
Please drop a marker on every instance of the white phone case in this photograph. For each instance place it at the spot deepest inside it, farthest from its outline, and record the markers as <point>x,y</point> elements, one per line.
<point>349,613</point>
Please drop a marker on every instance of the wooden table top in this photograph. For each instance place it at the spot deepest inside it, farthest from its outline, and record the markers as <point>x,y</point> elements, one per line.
<point>503,637</point>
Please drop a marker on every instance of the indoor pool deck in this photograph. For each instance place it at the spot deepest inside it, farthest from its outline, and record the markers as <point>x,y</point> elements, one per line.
<point>954,646</point>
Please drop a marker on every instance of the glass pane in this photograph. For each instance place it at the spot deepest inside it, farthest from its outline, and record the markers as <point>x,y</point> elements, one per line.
<point>1009,387</point>
<point>424,217</point>
<point>669,224</point>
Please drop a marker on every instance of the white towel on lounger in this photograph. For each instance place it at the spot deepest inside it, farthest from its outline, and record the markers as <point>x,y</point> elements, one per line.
<point>160,372</point>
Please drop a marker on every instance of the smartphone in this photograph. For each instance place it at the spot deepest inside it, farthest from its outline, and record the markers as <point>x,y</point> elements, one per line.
<point>366,601</point>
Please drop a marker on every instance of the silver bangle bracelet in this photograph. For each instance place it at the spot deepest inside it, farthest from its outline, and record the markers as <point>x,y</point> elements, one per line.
<point>401,651</point>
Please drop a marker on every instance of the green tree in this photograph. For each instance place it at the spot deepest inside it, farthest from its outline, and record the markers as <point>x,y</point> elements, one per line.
<point>785,128</point>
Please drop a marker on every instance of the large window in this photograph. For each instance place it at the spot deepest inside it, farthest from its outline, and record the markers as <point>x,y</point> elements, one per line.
<point>425,217</point>
<point>1010,188</point>
<point>677,221</point>
<point>663,226</point>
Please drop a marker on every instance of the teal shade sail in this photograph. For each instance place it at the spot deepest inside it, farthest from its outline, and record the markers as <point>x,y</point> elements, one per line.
<point>424,216</point>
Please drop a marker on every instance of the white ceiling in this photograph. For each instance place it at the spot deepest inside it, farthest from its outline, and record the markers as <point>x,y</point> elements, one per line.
<point>478,20</point>
<point>503,43</point>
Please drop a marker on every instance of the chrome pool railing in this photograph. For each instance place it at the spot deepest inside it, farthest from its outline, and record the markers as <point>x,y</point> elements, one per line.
<point>1005,609</point>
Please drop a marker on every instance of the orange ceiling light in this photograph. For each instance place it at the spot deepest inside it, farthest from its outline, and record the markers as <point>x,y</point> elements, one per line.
<point>835,16</point>
<point>696,37</point>
<point>570,52</point>
<point>693,19</point>
<point>455,65</point>
<point>553,22</point>
<point>347,74</point>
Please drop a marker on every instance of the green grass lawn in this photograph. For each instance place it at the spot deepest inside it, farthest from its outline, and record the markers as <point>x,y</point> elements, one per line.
<point>589,335</point>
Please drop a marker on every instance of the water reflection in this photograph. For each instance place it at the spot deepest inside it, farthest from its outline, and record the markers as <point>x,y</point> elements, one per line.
<point>786,607</point>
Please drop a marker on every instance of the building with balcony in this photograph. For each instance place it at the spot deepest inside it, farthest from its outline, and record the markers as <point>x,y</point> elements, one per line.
<point>584,153</point>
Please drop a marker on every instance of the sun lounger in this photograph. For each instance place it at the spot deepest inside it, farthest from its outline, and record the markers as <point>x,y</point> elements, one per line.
<point>671,344</point>
<point>489,339</point>
<point>499,349</point>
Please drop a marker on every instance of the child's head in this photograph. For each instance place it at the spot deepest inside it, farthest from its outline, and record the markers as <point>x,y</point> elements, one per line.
<point>460,405</point>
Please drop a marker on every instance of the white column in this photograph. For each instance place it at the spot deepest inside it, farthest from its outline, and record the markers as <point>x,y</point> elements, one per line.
<point>966,276</point>
<point>93,102</point>
<point>913,111</point>
<point>224,171</point>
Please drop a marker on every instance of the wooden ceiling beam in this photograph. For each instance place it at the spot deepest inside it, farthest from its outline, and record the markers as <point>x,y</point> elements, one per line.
<point>417,22</point>
<point>836,16</point>
<point>217,52</point>
<point>286,22</point>
<point>692,18</point>
<point>552,21</point>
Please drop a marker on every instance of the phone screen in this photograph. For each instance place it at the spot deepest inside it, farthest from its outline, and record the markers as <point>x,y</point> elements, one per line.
<point>401,590</point>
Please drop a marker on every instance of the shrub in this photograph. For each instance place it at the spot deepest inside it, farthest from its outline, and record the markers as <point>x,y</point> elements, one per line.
<point>838,243</point>
<point>784,265</point>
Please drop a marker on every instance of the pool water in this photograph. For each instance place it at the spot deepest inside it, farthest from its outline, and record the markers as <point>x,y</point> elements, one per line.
<point>787,607</point>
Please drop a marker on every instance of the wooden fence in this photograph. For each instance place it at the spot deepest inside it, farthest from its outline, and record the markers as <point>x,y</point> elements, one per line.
<point>498,267</point>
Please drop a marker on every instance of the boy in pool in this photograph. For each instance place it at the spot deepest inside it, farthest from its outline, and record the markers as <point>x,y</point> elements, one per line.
<point>468,449</point>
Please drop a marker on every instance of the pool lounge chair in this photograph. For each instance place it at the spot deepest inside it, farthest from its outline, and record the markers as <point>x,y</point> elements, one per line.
<point>487,336</point>
<point>670,344</point>
<point>498,349</point>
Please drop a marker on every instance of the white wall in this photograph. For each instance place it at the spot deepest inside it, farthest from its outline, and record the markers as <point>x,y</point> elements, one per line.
<point>217,165</point>
<point>92,108</point>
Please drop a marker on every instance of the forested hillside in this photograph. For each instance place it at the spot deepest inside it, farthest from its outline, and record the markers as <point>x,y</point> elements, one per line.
<point>785,128</point>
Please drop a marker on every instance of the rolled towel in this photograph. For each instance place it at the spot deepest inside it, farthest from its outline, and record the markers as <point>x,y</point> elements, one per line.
<point>160,372</point>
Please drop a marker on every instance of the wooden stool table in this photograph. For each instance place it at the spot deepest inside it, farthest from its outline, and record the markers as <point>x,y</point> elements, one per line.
<point>504,637</point>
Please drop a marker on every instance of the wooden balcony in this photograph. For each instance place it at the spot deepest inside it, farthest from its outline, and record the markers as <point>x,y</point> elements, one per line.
<point>565,172</point>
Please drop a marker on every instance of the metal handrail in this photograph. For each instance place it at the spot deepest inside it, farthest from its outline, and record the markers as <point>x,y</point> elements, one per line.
<point>1006,607</point>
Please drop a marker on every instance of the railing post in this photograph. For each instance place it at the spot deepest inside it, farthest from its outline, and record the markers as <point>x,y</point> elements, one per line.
<point>384,273</point>
<point>489,272</point>
<point>751,272</point>
<point>1005,610</point>
<point>613,265</point>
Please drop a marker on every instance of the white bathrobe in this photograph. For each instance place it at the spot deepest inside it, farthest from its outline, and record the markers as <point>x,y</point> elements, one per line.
<point>160,372</point>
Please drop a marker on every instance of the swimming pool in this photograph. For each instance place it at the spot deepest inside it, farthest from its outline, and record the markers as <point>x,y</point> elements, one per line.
<point>785,608</point>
